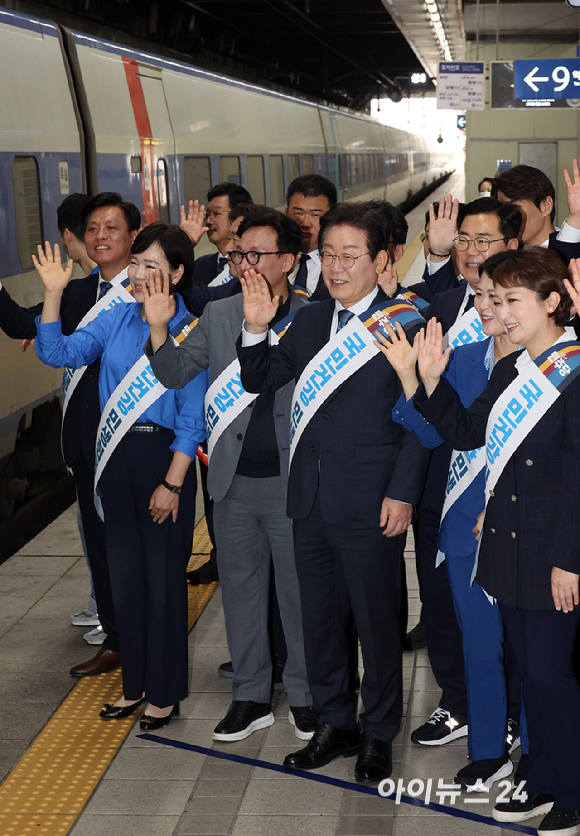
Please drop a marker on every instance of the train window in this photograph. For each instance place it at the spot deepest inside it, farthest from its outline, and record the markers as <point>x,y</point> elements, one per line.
<point>229,169</point>
<point>255,178</point>
<point>277,191</point>
<point>136,164</point>
<point>196,178</point>
<point>27,208</point>
<point>293,167</point>
<point>308,164</point>
<point>162,193</point>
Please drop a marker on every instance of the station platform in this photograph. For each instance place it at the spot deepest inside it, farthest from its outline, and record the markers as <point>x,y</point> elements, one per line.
<point>64,771</point>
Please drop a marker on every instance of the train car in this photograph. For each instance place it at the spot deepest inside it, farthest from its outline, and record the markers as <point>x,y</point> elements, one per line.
<point>84,114</point>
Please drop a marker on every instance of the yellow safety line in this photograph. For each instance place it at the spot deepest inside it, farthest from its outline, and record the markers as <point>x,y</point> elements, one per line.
<point>48,788</point>
<point>409,256</point>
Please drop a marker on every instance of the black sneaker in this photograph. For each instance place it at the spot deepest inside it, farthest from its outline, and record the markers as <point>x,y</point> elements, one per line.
<point>207,573</point>
<point>527,806</point>
<point>560,822</point>
<point>226,669</point>
<point>481,775</point>
<point>440,728</point>
<point>305,721</point>
<point>243,718</point>
<point>513,739</point>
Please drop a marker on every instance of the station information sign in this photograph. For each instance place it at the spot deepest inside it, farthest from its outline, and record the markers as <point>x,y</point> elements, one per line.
<point>547,78</point>
<point>461,85</point>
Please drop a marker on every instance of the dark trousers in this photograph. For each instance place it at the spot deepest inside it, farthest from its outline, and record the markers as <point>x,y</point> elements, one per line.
<point>94,531</point>
<point>147,563</point>
<point>543,642</point>
<point>344,572</point>
<point>444,640</point>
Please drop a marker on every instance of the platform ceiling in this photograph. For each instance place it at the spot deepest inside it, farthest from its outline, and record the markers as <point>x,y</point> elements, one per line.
<point>342,51</point>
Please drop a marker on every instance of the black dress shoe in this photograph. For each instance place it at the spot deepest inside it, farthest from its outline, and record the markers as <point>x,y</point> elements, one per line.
<point>208,573</point>
<point>105,660</point>
<point>149,723</point>
<point>118,712</point>
<point>374,762</point>
<point>327,744</point>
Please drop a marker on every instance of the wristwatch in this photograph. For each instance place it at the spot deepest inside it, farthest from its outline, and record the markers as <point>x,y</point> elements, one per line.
<point>173,488</point>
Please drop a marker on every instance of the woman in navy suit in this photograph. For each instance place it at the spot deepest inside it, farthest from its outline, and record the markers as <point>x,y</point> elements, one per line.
<point>147,486</point>
<point>529,560</point>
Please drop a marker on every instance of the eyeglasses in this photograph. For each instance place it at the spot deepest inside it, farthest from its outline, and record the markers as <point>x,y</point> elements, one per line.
<point>346,260</point>
<point>212,213</point>
<point>481,244</point>
<point>252,257</point>
<point>423,237</point>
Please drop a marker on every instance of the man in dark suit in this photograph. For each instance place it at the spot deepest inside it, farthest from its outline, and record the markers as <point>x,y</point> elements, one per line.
<point>221,200</point>
<point>308,199</point>
<point>533,193</point>
<point>111,226</point>
<point>353,481</point>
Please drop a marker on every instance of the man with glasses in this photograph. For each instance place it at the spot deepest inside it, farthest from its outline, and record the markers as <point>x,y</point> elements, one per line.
<point>221,200</point>
<point>354,477</point>
<point>247,478</point>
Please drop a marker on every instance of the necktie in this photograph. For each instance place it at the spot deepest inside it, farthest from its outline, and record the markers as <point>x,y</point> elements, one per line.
<point>222,261</point>
<point>104,287</point>
<point>302,274</point>
<point>343,318</point>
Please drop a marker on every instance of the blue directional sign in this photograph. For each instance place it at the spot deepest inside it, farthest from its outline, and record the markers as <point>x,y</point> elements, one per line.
<point>461,123</point>
<point>548,78</point>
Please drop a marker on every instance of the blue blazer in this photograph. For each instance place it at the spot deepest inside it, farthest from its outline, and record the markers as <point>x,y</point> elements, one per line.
<point>467,374</point>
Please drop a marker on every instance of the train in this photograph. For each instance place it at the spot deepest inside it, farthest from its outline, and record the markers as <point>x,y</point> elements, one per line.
<point>82,114</point>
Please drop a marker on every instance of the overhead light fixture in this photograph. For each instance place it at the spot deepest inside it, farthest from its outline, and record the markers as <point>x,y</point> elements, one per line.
<point>439,29</point>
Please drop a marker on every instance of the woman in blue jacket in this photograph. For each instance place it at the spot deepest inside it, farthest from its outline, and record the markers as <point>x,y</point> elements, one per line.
<point>147,485</point>
<point>479,619</point>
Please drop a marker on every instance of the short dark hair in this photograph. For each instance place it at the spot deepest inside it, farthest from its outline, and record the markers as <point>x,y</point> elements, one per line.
<point>524,182</point>
<point>509,216</point>
<point>537,268</point>
<point>312,185</point>
<point>174,242</point>
<point>247,210</point>
<point>371,221</point>
<point>69,214</point>
<point>288,234</point>
<point>130,212</point>
<point>234,193</point>
<point>485,180</point>
<point>395,218</point>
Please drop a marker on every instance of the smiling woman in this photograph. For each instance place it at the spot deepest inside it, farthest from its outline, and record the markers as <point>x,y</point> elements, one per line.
<point>144,452</point>
<point>529,556</point>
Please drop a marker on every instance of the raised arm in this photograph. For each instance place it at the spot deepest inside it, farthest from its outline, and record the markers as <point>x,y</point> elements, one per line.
<point>192,223</point>
<point>54,277</point>
<point>432,358</point>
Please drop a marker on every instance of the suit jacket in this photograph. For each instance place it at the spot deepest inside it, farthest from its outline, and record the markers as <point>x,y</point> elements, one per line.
<point>320,292</point>
<point>205,269</point>
<point>565,250</point>
<point>83,413</point>
<point>212,343</point>
<point>531,523</point>
<point>446,306</point>
<point>443,279</point>
<point>196,297</point>
<point>351,451</point>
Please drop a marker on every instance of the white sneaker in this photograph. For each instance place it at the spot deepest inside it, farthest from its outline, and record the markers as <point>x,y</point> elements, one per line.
<point>96,636</point>
<point>85,618</point>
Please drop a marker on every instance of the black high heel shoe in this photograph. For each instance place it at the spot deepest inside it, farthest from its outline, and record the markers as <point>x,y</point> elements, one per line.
<point>149,723</point>
<point>119,712</point>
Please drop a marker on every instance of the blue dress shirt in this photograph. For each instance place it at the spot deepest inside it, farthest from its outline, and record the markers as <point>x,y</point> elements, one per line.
<point>118,336</point>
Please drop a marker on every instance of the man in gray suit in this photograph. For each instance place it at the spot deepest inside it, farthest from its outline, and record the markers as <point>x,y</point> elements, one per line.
<point>248,443</point>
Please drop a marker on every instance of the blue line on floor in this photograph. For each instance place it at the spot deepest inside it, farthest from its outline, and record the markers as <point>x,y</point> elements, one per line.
<point>335,782</point>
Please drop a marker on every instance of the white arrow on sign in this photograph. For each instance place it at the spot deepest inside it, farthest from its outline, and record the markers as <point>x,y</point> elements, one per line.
<point>531,78</point>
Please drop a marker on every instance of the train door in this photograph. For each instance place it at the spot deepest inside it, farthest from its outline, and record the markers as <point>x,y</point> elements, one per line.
<point>157,144</point>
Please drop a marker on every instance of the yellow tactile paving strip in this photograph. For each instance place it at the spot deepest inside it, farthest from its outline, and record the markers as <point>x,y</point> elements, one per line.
<point>409,256</point>
<point>47,790</point>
